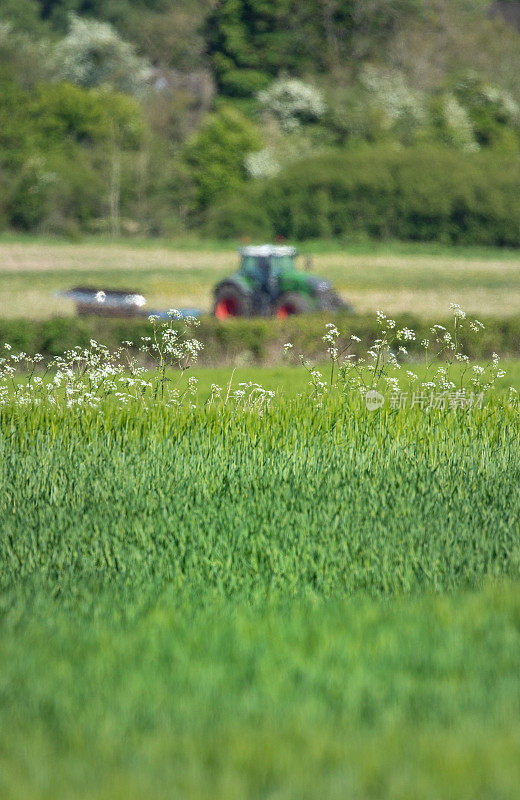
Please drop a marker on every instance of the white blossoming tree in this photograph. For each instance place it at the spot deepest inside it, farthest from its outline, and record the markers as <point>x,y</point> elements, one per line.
<point>459,130</point>
<point>403,106</point>
<point>93,54</point>
<point>262,164</point>
<point>292,102</point>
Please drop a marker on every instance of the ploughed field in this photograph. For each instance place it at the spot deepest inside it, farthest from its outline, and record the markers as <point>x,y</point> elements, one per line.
<point>401,278</point>
<point>309,601</point>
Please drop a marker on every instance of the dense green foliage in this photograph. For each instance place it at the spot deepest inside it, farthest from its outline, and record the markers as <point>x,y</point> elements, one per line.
<point>252,41</point>
<point>193,604</point>
<point>56,143</point>
<point>216,156</point>
<point>227,94</point>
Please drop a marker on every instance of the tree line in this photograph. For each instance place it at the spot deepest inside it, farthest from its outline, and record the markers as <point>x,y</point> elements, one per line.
<point>152,118</point>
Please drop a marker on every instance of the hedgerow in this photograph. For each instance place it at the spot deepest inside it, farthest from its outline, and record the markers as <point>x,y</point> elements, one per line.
<point>259,341</point>
<point>426,193</point>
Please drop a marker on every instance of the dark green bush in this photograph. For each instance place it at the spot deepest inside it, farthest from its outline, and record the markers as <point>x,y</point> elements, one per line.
<point>238,217</point>
<point>216,154</point>
<point>243,82</point>
<point>426,193</point>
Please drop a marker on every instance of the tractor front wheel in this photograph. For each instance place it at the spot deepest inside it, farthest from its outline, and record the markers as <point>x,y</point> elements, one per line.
<point>230,301</point>
<point>291,303</point>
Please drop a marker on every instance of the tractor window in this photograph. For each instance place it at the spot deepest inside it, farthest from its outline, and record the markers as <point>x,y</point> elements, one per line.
<point>282,264</point>
<point>251,267</point>
<point>254,266</point>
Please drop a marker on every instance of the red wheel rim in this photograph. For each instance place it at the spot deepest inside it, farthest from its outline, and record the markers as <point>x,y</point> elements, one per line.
<point>227,307</point>
<point>283,311</point>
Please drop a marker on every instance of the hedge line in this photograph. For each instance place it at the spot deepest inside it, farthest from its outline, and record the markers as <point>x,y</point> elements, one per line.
<point>255,341</point>
<point>427,193</point>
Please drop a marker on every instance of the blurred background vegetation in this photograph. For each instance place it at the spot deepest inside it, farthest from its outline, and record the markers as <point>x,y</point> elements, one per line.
<point>301,119</point>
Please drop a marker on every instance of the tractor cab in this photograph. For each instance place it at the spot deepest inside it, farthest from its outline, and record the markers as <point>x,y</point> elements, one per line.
<point>263,268</point>
<point>272,259</point>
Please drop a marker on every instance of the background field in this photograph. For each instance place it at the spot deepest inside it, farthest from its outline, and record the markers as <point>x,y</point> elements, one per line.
<point>399,278</point>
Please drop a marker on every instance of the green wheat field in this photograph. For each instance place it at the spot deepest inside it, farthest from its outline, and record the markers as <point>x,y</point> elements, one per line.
<point>306,605</point>
<point>290,600</point>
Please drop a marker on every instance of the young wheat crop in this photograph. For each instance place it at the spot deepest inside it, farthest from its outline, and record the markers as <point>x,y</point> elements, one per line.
<point>246,596</point>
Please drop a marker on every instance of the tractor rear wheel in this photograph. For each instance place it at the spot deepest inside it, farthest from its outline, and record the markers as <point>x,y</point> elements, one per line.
<point>231,301</point>
<point>291,303</point>
<point>331,301</point>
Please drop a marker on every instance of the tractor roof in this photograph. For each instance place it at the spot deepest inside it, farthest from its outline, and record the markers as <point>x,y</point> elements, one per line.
<point>266,250</point>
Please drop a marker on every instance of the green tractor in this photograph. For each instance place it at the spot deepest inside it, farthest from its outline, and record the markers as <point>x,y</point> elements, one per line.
<point>269,284</point>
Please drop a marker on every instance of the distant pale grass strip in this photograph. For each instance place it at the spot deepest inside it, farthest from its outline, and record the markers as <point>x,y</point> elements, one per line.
<point>400,278</point>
